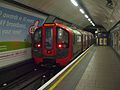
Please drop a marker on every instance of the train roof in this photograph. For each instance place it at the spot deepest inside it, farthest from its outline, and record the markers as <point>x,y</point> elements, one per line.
<point>69,28</point>
<point>77,31</point>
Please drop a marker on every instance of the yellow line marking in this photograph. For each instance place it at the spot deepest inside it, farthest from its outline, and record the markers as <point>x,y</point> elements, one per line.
<point>57,82</point>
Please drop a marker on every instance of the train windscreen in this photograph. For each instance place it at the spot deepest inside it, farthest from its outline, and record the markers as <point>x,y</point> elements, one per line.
<point>37,35</point>
<point>62,37</point>
<point>49,37</point>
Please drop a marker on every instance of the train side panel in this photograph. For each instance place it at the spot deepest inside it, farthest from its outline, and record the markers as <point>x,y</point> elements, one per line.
<point>77,43</point>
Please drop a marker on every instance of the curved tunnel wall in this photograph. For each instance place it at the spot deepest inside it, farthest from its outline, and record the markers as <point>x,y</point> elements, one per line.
<point>115,38</point>
<point>15,43</point>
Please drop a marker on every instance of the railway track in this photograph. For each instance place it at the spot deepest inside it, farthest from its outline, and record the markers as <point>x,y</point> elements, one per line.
<point>31,80</point>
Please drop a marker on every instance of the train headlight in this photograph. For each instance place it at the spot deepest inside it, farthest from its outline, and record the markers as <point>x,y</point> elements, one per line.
<point>39,45</point>
<point>60,46</point>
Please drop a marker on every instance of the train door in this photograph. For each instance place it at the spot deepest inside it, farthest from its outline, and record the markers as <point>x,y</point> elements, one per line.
<point>62,42</point>
<point>89,40</point>
<point>84,42</point>
<point>48,41</point>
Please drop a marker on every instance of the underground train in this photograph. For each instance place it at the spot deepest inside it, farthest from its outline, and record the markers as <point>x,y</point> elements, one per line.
<point>58,44</point>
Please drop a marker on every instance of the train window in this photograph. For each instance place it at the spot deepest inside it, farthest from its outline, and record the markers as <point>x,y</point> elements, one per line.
<point>62,37</point>
<point>78,38</point>
<point>49,37</point>
<point>37,35</point>
<point>86,37</point>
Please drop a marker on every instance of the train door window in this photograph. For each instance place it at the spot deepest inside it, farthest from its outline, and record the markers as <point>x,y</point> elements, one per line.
<point>62,37</point>
<point>78,38</point>
<point>86,37</point>
<point>49,37</point>
<point>37,35</point>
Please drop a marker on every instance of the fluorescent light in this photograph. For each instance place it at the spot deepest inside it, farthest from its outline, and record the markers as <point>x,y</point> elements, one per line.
<point>74,2</point>
<point>93,24</point>
<point>86,16</point>
<point>82,11</point>
<point>89,19</point>
<point>96,31</point>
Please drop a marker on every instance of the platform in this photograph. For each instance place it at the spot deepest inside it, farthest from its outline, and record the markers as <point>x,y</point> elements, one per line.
<point>101,73</point>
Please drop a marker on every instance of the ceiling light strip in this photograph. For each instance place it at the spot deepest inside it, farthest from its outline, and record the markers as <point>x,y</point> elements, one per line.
<point>74,2</point>
<point>86,16</point>
<point>83,12</point>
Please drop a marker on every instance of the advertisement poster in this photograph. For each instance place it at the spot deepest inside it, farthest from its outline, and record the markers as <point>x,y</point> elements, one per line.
<point>15,40</point>
<point>14,29</point>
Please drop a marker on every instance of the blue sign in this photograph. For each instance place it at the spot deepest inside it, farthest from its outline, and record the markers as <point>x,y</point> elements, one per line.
<point>14,25</point>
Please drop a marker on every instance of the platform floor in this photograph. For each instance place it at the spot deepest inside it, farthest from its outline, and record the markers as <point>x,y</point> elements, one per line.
<point>102,72</point>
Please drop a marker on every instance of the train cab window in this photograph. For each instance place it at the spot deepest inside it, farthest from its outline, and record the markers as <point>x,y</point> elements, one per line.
<point>49,37</point>
<point>62,37</point>
<point>37,35</point>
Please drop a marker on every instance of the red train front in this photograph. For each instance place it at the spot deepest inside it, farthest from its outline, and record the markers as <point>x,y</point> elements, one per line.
<point>58,44</point>
<point>52,43</point>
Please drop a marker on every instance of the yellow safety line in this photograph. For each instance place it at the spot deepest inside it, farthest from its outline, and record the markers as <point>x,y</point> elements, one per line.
<point>57,82</point>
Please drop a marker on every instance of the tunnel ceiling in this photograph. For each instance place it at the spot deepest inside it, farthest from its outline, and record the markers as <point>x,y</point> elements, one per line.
<point>63,9</point>
<point>100,13</point>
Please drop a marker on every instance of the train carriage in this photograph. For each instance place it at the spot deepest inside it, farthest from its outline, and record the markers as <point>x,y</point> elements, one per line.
<point>56,44</point>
